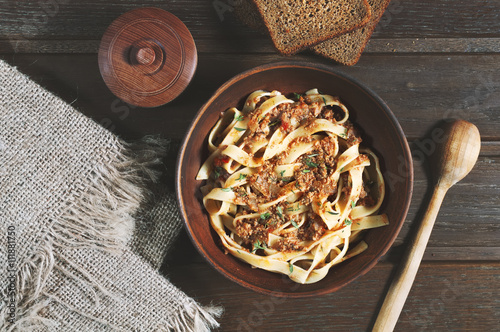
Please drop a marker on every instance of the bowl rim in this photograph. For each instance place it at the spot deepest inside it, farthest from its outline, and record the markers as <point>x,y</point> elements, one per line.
<point>300,65</point>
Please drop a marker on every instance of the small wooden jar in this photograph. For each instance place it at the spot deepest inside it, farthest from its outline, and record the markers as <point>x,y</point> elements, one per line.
<point>147,57</point>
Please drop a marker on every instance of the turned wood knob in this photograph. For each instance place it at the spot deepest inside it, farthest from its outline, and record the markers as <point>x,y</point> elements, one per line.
<point>147,57</point>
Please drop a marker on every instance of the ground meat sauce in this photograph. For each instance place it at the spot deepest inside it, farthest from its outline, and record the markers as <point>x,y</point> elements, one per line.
<point>312,177</point>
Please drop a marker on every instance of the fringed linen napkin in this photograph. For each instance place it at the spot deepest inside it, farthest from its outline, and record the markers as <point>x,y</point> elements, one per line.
<point>77,252</point>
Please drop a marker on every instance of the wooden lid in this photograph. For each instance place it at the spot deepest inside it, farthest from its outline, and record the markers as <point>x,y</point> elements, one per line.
<point>147,57</point>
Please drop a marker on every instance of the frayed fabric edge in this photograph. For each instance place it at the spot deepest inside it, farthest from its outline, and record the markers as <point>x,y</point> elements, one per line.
<point>98,216</point>
<point>191,317</point>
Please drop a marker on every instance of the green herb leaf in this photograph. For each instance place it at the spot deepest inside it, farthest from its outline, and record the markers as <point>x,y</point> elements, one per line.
<point>216,172</point>
<point>274,123</point>
<point>297,96</point>
<point>265,216</point>
<point>282,173</point>
<point>294,224</point>
<point>239,117</point>
<point>306,170</point>
<point>347,222</point>
<point>353,204</point>
<point>241,177</point>
<point>279,211</point>
<point>334,213</point>
<point>259,245</point>
<point>290,267</point>
<point>227,189</point>
<point>310,163</point>
<point>324,100</point>
<point>239,129</point>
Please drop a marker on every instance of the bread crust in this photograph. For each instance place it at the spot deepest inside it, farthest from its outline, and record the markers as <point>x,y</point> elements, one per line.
<point>358,39</point>
<point>288,43</point>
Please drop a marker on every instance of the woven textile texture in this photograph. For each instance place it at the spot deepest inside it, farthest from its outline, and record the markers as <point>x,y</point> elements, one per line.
<point>81,240</point>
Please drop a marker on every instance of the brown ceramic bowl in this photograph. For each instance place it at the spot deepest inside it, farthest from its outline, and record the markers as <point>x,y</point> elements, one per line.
<point>380,131</point>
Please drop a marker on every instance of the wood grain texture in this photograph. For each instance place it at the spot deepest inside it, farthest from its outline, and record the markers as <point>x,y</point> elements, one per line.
<point>454,157</point>
<point>147,57</point>
<point>443,298</point>
<point>429,60</point>
<point>89,20</point>
<point>420,90</point>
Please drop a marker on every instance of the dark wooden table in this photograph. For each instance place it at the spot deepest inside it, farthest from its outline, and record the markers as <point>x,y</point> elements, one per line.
<point>429,60</point>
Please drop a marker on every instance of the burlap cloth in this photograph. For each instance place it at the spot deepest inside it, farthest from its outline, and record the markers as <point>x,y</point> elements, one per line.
<point>78,251</point>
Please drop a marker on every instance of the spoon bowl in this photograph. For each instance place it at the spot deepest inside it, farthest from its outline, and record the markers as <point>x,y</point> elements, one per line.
<point>454,159</point>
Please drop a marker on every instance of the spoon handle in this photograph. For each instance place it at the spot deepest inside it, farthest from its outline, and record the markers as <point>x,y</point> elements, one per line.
<point>402,282</point>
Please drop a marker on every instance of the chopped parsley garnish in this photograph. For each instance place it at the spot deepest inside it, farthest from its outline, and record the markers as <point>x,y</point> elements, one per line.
<point>305,171</point>
<point>279,211</point>
<point>227,189</point>
<point>274,123</point>
<point>242,177</point>
<point>334,213</point>
<point>347,222</point>
<point>342,169</point>
<point>294,224</point>
<point>310,163</point>
<point>290,267</point>
<point>297,96</point>
<point>239,129</point>
<point>353,204</point>
<point>265,216</point>
<point>259,245</point>
<point>239,117</point>
<point>282,173</point>
<point>297,185</point>
<point>216,172</point>
<point>324,100</point>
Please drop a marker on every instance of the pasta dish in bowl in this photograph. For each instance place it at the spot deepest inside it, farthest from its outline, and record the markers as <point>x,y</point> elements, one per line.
<point>289,188</point>
<point>284,182</point>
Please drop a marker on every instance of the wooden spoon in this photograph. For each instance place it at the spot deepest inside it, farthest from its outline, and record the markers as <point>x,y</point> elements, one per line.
<point>452,161</point>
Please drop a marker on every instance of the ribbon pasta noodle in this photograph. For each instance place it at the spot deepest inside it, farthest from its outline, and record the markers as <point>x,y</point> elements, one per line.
<point>289,189</point>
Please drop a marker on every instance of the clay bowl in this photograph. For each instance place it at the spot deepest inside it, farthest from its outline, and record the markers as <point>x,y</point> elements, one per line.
<point>380,131</point>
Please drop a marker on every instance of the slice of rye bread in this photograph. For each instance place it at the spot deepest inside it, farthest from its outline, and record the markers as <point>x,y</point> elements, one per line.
<point>298,24</point>
<point>347,48</point>
<point>246,11</point>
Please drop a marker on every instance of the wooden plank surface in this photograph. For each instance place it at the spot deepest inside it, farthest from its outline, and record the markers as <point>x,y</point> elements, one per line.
<point>420,90</point>
<point>429,60</point>
<point>445,297</point>
<point>66,19</point>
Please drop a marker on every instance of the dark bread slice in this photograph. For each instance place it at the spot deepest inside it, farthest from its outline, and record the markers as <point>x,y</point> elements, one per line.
<point>297,24</point>
<point>347,48</point>
<point>246,11</point>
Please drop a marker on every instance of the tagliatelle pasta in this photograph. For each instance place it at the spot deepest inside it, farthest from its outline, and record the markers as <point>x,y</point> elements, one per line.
<point>289,189</point>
